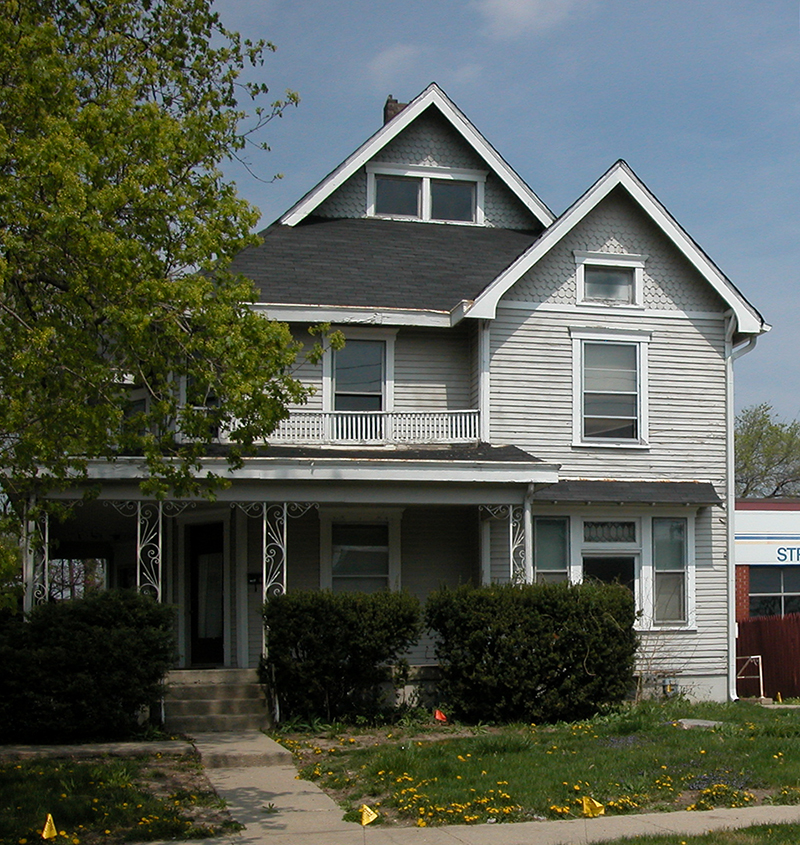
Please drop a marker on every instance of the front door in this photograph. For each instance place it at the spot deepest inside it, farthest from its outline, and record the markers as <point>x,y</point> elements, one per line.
<point>205,548</point>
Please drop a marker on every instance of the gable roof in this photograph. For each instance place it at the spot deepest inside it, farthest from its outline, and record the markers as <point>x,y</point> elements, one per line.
<point>431,97</point>
<point>749,321</point>
<point>372,263</point>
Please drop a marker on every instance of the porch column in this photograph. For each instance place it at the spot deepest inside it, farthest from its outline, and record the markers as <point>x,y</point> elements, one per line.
<point>35,558</point>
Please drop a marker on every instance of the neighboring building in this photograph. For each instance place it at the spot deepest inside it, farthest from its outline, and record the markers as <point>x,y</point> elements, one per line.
<point>767,557</point>
<point>521,397</point>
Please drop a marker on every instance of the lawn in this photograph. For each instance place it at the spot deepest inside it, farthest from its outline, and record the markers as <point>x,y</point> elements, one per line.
<point>109,800</point>
<point>633,759</point>
<point>773,834</point>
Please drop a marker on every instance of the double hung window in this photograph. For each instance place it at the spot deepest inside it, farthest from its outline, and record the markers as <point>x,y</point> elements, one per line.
<point>360,549</point>
<point>359,557</point>
<point>669,569</point>
<point>359,369</point>
<point>550,549</point>
<point>610,388</point>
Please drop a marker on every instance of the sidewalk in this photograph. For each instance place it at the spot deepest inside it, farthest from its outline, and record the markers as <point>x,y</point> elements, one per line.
<point>256,777</point>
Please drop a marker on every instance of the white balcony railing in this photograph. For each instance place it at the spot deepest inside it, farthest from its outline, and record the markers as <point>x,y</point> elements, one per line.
<point>307,427</point>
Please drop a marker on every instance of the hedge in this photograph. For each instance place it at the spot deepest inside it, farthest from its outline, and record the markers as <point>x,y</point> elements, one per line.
<point>82,669</point>
<point>331,655</point>
<point>538,653</point>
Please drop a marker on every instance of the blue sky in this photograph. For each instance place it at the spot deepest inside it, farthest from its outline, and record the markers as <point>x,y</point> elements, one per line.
<point>700,97</point>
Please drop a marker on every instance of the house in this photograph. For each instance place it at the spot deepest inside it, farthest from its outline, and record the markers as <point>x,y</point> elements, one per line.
<point>521,397</point>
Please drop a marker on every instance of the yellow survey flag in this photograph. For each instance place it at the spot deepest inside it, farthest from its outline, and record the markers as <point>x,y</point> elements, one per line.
<point>49,831</point>
<point>592,808</point>
<point>367,815</point>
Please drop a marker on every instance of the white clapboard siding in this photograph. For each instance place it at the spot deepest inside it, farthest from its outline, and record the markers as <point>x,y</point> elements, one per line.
<point>532,397</point>
<point>432,370</point>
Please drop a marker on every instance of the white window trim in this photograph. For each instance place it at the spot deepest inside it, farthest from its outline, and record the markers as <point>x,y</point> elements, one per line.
<point>426,173</point>
<point>641,340</point>
<point>642,550</point>
<point>388,336</point>
<point>610,259</point>
<point>387,516</point>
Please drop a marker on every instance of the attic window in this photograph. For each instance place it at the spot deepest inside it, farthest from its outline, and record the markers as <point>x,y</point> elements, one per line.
<point>609,278</point>
<point>425,193</point>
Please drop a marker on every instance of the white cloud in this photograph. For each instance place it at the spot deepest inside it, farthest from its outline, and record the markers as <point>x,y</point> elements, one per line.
<point>510,18</point>
<point>393,64</point>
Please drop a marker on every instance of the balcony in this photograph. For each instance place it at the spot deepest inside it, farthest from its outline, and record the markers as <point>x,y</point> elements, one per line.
<point>377,427</point>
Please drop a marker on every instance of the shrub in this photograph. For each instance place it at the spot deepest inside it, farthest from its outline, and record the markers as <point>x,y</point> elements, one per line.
<point>539,653</point>
<point>330,655</point>
<point>82,669</point>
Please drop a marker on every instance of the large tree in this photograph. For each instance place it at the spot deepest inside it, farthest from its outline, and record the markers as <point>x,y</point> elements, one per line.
<point>767,454</point>
<point>116,225</point>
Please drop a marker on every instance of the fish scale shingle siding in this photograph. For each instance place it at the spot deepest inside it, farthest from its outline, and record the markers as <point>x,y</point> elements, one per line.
<point>618,226</point>
<point>431,141</point>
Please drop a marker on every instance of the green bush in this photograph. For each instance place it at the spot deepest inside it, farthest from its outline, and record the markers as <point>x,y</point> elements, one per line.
<point>82,669</point>
<point>330,655</point>
<point>539,653</point>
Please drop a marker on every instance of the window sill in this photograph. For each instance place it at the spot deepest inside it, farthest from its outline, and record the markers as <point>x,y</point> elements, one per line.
<point>411,219</point>
<point>614,444</point>
<point>607,304</point>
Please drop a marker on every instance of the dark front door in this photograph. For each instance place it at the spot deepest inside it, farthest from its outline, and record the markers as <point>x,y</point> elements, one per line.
<point>204,545</point>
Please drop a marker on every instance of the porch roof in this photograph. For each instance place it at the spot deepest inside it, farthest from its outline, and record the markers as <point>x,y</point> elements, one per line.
<point>630,492</point>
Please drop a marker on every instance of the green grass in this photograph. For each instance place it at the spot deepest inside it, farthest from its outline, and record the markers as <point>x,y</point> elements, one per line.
<point>631,760</point>
<point>93,801</point>
<point>772,834</point>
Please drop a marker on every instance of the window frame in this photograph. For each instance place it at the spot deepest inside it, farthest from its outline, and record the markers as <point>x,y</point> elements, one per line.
<point>581,337</point>
<point>390,517</point>
<point>620,261</point>
<point>684,571</point>
<point>388,337</point>
<point>426,175</point>
<point>644,564</point>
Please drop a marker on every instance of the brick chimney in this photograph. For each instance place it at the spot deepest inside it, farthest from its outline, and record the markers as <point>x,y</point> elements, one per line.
<point>392,109</point>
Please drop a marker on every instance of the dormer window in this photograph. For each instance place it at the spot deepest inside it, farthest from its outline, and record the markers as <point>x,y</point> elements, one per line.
<point>609,278</point>
<point>431,194</point>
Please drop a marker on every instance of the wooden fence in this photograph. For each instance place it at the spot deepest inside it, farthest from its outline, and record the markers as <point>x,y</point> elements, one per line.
<point>777,640</point>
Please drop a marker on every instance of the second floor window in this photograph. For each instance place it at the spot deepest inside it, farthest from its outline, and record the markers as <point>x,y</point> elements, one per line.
<point>359,375</point>
<point>610,391</point>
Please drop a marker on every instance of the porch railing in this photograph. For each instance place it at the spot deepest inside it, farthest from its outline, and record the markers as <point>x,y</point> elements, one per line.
<point>378,427</point>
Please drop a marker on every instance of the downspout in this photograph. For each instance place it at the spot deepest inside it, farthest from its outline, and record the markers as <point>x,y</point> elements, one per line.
<point>731,354</point>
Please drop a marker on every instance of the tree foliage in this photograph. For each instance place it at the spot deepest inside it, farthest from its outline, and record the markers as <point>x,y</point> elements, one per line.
<point>767,454</point>
<point>116,225</point>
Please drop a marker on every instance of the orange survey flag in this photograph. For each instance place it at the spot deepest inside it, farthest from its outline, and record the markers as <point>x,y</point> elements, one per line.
<point>439,716</point>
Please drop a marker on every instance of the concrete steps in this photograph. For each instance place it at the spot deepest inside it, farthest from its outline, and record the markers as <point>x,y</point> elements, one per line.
<point>214,700</point>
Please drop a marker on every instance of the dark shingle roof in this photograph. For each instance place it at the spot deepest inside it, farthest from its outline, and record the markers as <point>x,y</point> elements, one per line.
<point>629,492</point>
<point>378,263</point>
<point>481,452</point>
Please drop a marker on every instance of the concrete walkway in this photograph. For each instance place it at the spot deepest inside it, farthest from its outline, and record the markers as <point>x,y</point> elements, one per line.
<point>256,777</point>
